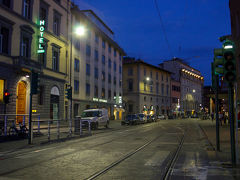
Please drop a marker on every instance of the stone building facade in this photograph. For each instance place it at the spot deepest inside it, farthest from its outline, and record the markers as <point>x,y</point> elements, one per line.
<point>191,84</point>
<point>27,26</point>
<point>96,65</point>
<point>146,88</point>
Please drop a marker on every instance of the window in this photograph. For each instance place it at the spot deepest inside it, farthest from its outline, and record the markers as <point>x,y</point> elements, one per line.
<point>145,72</point>
<point>25,47</point>
<point>109,48</point>
<point>130,71</point>
<point>109,63</point>
<point>96,92</point>
<point>103,92</point>
<point>103,76</point>
<point>145,86</point>
<point>40,95</point>
<point>109,78</point>
<point>56,23</point>
<point>55,59</point>
<point>88,50</point>
<point>27,9</point>
<point>87,89</point>
<point>120,83</point>
<point>167,78</point>
<point>120,57</point>
<point>4,39</point>
<point>76,86</point>
<point>77,43</point>
<point>114,81</point>
<point>157,88</point>
<point>156,75</point>
<point>6,3</point>
<point>43,13</point>
<point>162,77</point>
<point>96,73</point>
<point>96,55</point>
<point>103,59</point>
<point>88,69</point>
<point>76,65</point>
<point>151,88</point>
<point>115,66</point>
<point>96,38</point>
<point>26,40</point>
<point>103,44</point>
<point>162,89</point>
<point>42,56</point>
<point>151,74</point>
<point>115,53</point>
<point>109,94</point>
<point>145,98</point>
<point>130,85</point>
<point>120,69</point>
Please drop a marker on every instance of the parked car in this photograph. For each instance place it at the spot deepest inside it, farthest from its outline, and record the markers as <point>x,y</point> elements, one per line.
<point>149,118</point>
<point>142,118</point>
<point>97,117</point>
<point>154,118</point>
<point>131,119</point>
<point>161,117</point>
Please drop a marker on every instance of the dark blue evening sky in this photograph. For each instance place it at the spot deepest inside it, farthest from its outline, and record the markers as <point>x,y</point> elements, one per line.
<point>192,28</point>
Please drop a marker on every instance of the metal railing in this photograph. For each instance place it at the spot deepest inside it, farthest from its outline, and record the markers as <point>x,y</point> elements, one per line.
<point>48,129</point>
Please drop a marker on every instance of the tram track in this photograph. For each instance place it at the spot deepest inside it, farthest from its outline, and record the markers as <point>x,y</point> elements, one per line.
<point>68,153</point>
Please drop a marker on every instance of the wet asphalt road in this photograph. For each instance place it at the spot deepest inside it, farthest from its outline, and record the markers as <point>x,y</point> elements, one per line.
<point>84,157</point>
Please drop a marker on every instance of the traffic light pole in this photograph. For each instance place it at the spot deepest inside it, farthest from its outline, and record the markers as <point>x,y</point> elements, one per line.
<point>231,119</point>
<point>217,115</point>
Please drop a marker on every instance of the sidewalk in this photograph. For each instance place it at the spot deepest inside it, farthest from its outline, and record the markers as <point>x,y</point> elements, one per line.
<point>13,145</point>
<point>209,129</point>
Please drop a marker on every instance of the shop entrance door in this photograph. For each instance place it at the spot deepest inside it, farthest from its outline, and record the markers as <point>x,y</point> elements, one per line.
<point>21,101</point>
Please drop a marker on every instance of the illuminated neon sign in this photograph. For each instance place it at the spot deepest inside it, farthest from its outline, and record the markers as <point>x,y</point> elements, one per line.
<point>41,38</point>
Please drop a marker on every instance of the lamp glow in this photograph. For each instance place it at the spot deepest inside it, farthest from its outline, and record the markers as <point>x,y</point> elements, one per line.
<point>80,31</point>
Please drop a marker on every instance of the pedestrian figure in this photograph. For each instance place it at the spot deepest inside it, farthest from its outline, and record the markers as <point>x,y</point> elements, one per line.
<point>220,116</point>
<point>212,116</point>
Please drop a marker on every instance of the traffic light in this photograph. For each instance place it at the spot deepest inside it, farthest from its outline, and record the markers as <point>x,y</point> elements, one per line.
<point>230,61</point>
<point>35,82</point>
<point>218,61</point>
<point>68,92</point>
<point>6,97</point>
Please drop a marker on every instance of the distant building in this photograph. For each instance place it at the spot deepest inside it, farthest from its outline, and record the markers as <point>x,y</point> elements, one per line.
<point>96,73</point>
<point>191,83</point>
<point>175,96</point>
<point>146,88</point>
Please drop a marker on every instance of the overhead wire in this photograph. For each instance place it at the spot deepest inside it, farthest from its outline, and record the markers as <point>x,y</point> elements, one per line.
<point>163,28</point>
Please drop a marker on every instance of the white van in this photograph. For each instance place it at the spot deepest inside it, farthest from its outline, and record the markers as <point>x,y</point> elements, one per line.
<point>98,117</point>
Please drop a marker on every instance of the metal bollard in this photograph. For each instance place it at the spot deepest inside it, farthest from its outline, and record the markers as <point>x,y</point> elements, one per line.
<point>48,130</point>
<point>80,126</point>
<point>38,124</point>
<point>89,127</point>
<point>70,128</point>
<point>24,120</point>
<point>58,130</point>
<point>5,126</point>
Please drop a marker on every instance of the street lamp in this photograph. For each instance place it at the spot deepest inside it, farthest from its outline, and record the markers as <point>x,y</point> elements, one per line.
<point>80,30</point>
<point>147,78</point>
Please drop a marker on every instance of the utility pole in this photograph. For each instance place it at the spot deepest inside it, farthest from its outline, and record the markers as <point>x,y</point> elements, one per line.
<point>216,112</point>
<point>231,118</point>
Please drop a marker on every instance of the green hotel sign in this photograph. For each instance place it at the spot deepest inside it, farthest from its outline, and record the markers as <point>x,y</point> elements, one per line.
<point>41,38</point>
